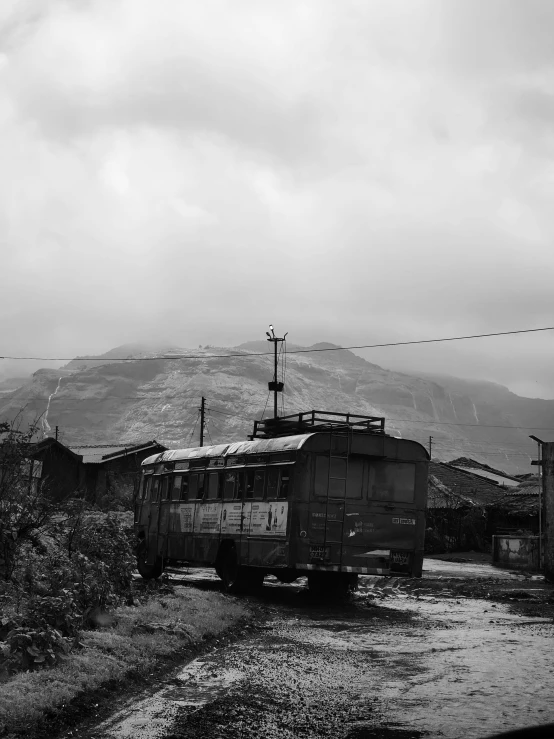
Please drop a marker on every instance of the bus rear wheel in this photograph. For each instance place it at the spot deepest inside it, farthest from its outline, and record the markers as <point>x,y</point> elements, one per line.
<point>237,578</point>
<point>148,571</point>
<point>332,585</point>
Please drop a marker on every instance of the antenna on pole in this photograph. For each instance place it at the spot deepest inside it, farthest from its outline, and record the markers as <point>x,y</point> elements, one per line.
<point>275,386</point>
<point>202,417</point>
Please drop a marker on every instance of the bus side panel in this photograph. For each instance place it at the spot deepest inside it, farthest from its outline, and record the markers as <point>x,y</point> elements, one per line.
<point>267,527</point>
<point>267,553</point>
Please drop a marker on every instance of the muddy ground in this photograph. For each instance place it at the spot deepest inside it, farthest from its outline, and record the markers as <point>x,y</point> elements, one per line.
<point>464,652</point>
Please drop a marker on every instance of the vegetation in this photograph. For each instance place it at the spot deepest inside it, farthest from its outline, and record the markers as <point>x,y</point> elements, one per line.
<point>70,617</point>
<point>160,626</point>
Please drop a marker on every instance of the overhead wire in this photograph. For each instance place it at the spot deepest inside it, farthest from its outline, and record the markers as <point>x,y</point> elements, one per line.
<point>106,360</point>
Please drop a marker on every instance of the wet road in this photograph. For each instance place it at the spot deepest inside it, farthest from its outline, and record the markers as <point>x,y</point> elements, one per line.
<point>404,659</point>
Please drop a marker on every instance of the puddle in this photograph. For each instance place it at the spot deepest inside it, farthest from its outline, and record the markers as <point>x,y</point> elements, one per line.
<point>199,683</point>
<point>410,666</point>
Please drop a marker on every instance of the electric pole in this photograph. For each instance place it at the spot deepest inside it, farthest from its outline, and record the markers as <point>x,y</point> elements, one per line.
<point>275,386</point>
<point>430,445</point>
<point>202,417</point>
<point>57,430</point>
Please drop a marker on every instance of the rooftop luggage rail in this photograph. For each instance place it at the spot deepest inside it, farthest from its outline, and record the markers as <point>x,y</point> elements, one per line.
<point>310,421</point>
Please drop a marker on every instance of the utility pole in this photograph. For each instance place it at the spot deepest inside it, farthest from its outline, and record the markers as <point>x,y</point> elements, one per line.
<point>202,417</point>
<point>57,430</point>
<point>546,506</point>
<point>276,386</point>
<point>430,446</point>
<point>547,473</point>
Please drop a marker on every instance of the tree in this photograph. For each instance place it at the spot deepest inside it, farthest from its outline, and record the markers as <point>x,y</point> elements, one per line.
<point>25,508</point>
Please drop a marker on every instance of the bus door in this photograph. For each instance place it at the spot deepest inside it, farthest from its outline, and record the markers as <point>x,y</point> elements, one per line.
<point>266,513</point>
<point>142,502</point>
<point>164,506</point>
<point>154,515</point>
<point>232,514</point>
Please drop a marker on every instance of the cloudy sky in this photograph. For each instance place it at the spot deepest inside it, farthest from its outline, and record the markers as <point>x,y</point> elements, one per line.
<point>353,171</point>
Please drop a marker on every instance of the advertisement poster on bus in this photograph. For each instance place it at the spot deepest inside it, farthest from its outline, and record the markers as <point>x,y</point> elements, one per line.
<point>186,514</point>
<point>231,518</point>
<point>266,519</point>
<point>207,518</point>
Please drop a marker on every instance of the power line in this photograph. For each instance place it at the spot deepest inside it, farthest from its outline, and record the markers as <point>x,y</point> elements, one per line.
<point>469,425</point>
<point>268,354</point>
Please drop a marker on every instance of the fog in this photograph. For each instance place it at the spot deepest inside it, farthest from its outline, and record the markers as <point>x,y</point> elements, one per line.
<point>354,172</point>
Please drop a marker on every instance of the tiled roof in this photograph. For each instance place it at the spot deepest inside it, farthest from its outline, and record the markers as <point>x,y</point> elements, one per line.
<point>471,488</point>
<point>494,476</point>
<point>478,468</point>
<point>519,504</point>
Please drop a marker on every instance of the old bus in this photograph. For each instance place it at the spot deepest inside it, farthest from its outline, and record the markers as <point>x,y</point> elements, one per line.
<point>338,499</point>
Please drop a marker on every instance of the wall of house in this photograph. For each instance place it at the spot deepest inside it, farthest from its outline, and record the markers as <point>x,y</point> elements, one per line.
<point>60,471</point>
<point>520,552</point>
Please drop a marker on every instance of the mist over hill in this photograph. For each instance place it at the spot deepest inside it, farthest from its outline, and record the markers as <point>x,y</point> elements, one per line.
<point>157,397</point>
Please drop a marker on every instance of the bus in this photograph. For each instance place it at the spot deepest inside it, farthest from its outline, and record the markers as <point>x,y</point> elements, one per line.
<point>323,495</point>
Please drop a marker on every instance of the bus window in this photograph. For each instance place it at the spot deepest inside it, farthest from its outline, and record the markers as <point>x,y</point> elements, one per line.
<point>165,489</point>
<point>241,480</point>
<point>146,487</point>
<point>259,479</point>
<point>285,484</point>
<point>355,478</point>
<point>176,488</point>
<point>249,475</point>
<point>333,481</point>
<point>196,485</point>
<point>272,482</point>
<point>185,488</point>
<point>155,489</point>
<point>212,491</point>
<point>392,481</point>
<point>229,489</point>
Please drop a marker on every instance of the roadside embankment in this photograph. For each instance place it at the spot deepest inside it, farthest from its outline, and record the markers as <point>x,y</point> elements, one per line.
<point>126,646</point>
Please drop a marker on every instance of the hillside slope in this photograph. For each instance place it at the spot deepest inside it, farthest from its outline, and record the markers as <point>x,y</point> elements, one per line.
<point>122,402</point>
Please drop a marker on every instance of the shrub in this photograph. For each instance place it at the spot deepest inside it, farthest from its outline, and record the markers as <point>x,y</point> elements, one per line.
<point>63,586</point>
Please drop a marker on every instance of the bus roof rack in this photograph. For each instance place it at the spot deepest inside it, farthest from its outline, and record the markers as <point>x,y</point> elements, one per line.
<point>310,421</point>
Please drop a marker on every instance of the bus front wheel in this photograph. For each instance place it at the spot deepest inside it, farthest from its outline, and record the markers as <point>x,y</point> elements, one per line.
<point>148,571</point>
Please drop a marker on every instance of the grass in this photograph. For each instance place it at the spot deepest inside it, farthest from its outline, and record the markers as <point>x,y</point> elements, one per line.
<point>138,639</point>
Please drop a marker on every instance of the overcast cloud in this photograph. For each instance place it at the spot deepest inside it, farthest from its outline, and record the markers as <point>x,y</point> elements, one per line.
<point>351,171</point>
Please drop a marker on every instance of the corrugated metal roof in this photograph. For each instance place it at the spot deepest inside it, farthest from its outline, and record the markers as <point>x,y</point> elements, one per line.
<point>92,456</point>
<point>98,455</point>
<point>258,446</point>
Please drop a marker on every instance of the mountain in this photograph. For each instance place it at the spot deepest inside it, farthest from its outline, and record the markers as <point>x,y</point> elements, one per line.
<point>112,402</point>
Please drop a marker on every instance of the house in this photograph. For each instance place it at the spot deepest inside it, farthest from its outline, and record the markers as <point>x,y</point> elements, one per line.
<point>114,470</point>
<point>57,466</point>
<point>518,510</point>
<point>48,464</point>
<point>458,501</point>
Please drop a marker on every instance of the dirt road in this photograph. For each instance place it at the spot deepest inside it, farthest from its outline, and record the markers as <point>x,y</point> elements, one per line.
<point>403,659</point>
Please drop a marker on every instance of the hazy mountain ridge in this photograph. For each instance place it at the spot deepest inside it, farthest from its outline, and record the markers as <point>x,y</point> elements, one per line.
<point>112,402</point>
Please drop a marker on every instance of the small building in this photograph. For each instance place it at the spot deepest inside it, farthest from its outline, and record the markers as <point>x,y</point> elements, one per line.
<point>55,466</point>
<point>458,502</point>
<point>517,512</point>
<point>114,471</point>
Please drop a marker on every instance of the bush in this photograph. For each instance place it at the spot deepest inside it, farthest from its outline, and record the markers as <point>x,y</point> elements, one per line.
<point>62,587</point>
